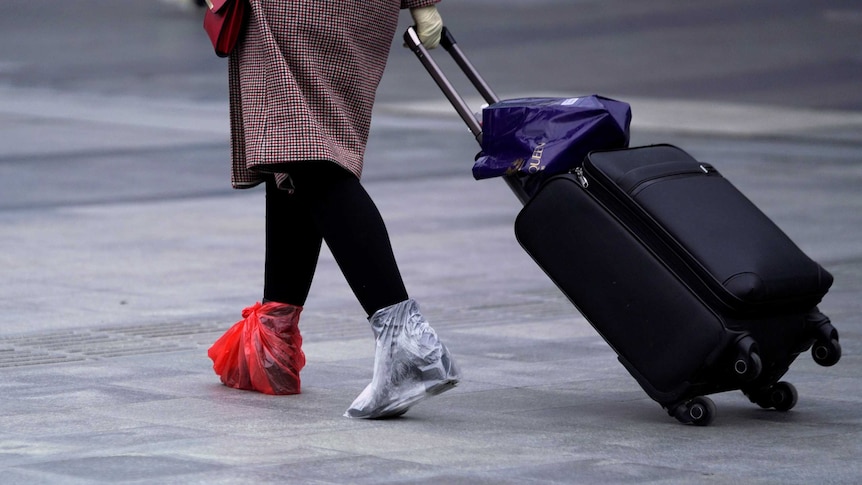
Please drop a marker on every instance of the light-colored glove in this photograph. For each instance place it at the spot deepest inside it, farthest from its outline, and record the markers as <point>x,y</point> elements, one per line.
<point>429,25</point>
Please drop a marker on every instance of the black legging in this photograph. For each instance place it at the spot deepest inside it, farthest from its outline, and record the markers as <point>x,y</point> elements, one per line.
<point>328,204</point>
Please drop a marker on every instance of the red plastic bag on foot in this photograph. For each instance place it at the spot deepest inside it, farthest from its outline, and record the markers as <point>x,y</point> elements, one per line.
<point>263,351</point>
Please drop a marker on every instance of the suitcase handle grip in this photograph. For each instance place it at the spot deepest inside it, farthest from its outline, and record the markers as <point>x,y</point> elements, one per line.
<point>411,39</point>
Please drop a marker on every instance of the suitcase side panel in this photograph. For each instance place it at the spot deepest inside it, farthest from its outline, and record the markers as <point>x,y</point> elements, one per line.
<point>650,318</point>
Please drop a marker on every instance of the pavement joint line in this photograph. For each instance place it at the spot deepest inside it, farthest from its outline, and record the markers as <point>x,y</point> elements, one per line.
<point>650,114</point>
<point>67,155</point>
<point>690,117</point>
<point>168,114</point>
<point>75,345</point>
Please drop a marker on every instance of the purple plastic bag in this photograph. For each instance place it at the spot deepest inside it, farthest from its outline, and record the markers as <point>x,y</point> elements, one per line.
<point>540,137</point>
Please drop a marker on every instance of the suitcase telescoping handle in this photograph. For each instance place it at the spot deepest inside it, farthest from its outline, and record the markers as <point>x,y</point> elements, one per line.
<point>447,40</point>
<point>411,38</point>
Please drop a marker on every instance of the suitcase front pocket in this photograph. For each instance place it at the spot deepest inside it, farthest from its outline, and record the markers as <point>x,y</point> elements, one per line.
<point>700,218</point>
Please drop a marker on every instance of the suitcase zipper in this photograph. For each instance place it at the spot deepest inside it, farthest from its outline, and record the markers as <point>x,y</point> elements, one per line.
<point>582,179</point>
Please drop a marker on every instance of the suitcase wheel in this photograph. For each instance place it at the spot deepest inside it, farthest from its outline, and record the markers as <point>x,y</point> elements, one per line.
<point>826,352</point>
<point>747,364</point>
<point>781,396</point>
<point>699,411</point>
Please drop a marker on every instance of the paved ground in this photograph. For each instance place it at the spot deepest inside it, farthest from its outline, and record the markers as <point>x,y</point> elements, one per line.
<point>124,256</point>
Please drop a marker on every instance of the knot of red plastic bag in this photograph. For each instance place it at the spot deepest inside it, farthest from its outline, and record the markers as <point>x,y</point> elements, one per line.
<point>247,311</point>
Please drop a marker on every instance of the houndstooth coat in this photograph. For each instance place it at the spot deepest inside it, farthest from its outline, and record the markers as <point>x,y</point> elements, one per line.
<point>302,82</point>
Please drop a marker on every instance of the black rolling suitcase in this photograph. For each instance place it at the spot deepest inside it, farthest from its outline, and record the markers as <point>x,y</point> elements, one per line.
<point>696,290</point>
<point>694,287</point>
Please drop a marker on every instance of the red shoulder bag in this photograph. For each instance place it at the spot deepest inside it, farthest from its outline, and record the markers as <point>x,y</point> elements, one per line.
<point>223,22</point>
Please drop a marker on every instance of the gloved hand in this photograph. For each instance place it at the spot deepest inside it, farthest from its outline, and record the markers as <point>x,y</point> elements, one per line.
<point>429,25</point>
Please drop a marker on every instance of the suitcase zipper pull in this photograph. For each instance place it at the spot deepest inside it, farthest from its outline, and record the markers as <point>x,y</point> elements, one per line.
<point>582,179</point>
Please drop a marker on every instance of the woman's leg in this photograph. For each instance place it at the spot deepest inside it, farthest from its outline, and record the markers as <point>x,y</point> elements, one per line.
<point>410,362</point>
<point>350,223</point>
<point>292,248</point>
